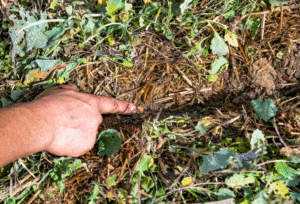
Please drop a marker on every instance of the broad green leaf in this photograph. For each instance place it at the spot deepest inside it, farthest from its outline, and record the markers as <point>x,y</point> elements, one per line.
<point>295,196</point>
<point>218,45</point>
<point>89,26</point>
<point>296,160</point>
<point>144,163</point>
<point>27,32</point>
<point>257,139</point>
<point>5,102</point>
<point>215,161</point>
<point>264,109</point>
<point>279,2</point>
<point>44,64</point>
<point>15,94</point>
<point>184,6</point>
<point>112,180</point>
<point>218,65</point>
<point>113,6</point>
<point>69,9</point>
<point>187,181</point>
<point>243,161</point>
<point>285,171</point>
<point>109,142</point>
<point>280,188</point>
<point>147,183</point>
<point>294,182</point>
<point>261,198</point>
<point>225,193</point>
<point>239,180</point>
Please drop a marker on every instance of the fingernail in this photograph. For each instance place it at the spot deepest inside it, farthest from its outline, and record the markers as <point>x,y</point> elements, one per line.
<point>133,108</point>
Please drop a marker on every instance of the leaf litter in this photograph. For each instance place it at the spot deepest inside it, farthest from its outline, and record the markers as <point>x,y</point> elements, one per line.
<point>161,147</point>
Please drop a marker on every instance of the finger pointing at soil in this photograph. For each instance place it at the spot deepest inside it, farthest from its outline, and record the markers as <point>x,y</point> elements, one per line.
<point>110,105</point>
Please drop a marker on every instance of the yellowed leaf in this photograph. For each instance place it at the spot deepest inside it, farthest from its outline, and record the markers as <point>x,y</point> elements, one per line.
<point>151,162</point>
<point>33,75</point>
<point>102,2</point>
<point>206,121</point>
<point>60,80</point>
<point>110,196</point>
<point>218,129</point>
<point>187,181</point>
<point>110,167</point>
<point>280,188</point>
<point>231,39</point>
<point>147,1</point>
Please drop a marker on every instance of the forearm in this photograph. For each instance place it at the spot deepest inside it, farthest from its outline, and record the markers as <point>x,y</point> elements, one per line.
<point>22,132</point>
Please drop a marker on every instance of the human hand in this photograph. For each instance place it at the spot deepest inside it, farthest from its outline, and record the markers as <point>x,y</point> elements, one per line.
<point>73,118</point>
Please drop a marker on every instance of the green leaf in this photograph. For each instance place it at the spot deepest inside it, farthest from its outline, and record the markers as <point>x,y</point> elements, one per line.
<point>224,193</point>
<point>63,167</point>
<point>204,124</point>
<point>147,183</point>
<point>218,45</point>
<point>285,171</point>
<point>29,27</point>
<point>229,14</point>
<point>15,94</point>
<point>295,196</point>
<point>294,182</point>
<point>218,160</point>
<point>218,64</point>
<point>257,139</point>
<point>264,109</point>
<point>261,198</point>
<point>89,25</point>
<point>5,102</point>
<point>184,6</point>
<point>243,161</point>
<point>44,64</point>
<point>113,6</point>
<point>296,160</point>
<point>94,194</point>
<point>201,128</point>
<point>112,180</point>
<point>69,9</point>
<point>111,141</point>
<point>251,23</point>
<point>279,2</point>
<point>239,180</point>
<point>126,63</point>
<point>144,163</point>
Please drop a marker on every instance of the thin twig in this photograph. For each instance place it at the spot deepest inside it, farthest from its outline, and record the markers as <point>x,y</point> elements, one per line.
<point>269,162</point>
<point>276,129</point>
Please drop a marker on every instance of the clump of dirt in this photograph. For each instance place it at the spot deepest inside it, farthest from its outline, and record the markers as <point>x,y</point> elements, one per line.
<point>264,75</point>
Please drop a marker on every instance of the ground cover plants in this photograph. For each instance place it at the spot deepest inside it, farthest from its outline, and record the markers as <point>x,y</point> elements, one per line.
<point>216,83</point>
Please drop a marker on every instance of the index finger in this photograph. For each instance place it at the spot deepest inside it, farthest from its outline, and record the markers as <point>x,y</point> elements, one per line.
<point>111,105</point>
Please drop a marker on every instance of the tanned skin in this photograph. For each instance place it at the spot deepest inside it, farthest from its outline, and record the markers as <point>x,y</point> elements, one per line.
<point>60,120</point>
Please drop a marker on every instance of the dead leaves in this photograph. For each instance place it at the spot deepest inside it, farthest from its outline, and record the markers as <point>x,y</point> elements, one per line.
<point>231,38</point>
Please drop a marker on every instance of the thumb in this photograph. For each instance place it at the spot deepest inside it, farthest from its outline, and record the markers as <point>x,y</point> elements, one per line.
<point>111,105</point>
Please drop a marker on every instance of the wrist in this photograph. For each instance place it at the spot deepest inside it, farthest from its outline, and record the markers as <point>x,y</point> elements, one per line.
<point>23,132</point>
